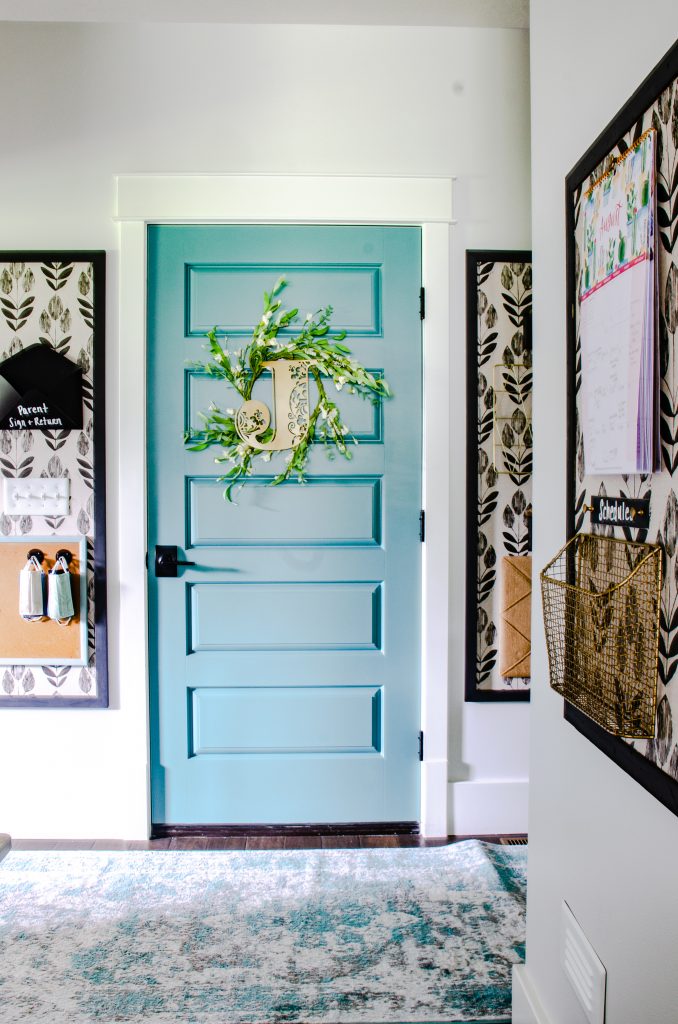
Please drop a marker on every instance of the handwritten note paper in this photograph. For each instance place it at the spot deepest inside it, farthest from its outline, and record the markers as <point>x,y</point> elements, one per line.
<point>617,317</point>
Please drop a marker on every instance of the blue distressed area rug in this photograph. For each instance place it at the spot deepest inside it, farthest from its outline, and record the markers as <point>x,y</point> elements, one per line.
<point>303,936</point>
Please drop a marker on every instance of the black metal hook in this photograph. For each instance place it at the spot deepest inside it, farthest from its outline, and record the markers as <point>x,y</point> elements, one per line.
<point>65,554</point>
<point>36,553</point>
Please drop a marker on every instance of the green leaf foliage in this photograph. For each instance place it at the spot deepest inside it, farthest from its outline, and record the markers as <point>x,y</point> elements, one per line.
<point>328,360</point>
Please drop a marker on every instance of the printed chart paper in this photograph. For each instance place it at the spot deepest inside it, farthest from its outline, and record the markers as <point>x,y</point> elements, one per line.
<point>617,317</point>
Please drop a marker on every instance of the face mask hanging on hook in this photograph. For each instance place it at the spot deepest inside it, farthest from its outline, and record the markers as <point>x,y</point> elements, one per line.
<point>59,591</point>
<point>32,588</point>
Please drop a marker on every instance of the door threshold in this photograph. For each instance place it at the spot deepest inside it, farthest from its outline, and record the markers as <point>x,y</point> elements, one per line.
<point>362,828</point>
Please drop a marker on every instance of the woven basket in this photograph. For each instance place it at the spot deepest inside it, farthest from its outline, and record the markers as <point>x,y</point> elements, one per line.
<point>601,600</point>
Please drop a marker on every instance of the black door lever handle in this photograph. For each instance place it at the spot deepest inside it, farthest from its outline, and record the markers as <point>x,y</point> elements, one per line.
<point>167,560</point>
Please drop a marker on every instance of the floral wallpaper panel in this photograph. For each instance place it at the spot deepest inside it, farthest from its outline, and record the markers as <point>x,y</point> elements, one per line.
<point>500,447</point>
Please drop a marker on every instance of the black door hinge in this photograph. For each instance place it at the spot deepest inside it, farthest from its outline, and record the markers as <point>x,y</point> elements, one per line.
<point>421,746</point>
<point>422,303</point>
<point>422,526</point>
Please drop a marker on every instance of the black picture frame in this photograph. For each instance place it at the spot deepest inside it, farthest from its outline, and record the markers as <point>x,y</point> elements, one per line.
<point>475,257</point>
<point>97,258</point>
<point>609,142</point>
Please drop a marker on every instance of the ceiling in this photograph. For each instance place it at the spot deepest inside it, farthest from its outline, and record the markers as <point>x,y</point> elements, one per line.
<point>458,13</point>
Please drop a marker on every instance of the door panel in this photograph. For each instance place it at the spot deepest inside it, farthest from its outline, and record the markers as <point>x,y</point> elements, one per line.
<point>285,616</point>
<point>285,662</point>
<point>213,289</point>
<point>327,510</point>
<point>286,719</point>
<point>364,418</point>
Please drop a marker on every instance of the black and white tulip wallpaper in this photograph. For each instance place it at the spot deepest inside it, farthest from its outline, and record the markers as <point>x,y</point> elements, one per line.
<point>499,454</point>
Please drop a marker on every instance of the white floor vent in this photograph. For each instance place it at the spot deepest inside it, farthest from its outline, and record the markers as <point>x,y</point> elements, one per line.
<point>583,969</point>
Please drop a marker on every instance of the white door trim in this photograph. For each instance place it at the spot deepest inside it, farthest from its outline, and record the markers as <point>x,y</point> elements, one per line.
<point>427,202</point>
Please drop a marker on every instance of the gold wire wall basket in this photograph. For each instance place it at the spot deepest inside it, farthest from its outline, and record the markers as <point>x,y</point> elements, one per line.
<point>601,600</point>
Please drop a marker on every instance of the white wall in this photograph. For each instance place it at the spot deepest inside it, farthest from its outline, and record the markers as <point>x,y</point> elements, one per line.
<point>83,103</point>
<point>597,839</point>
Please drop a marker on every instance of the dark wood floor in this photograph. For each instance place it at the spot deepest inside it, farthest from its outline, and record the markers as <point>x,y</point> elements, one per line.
<point>256,843</point>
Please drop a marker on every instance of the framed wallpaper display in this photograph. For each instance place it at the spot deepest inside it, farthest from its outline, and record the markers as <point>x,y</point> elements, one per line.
<point>52,480</point>
<point>498,474</point>
<point>648,124</point>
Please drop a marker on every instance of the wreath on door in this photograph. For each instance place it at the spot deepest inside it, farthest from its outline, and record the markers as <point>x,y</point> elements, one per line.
<point>312,351</point>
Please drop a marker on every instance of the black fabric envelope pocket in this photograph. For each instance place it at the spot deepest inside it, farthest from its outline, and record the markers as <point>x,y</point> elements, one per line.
<point>40,390</point>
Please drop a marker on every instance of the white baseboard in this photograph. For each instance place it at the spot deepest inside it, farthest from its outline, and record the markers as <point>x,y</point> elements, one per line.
<point>525,1007</point>
<point>487,808</point>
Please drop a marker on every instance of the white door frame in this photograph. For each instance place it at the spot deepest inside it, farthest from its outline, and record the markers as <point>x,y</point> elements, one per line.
<point>299,199</point>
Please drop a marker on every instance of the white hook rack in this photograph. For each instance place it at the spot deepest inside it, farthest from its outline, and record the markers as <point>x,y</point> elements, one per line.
<point>37,496</point>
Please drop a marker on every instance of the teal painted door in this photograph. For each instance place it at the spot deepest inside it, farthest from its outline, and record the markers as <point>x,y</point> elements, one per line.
<point>285,664</point>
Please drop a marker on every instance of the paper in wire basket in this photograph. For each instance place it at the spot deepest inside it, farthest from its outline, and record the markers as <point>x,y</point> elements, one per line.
<point>601,599</point>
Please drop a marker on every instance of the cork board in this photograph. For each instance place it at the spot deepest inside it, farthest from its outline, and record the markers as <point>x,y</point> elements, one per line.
<point>44,642</point>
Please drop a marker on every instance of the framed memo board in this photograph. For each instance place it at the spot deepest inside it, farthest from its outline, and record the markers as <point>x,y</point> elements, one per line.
<point>55,300</point>
<point>654,762</point>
